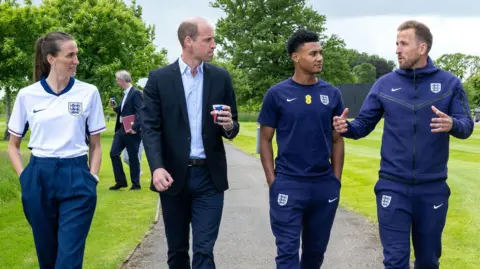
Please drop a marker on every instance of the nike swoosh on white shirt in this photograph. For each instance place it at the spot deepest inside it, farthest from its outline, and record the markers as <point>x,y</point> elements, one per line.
<point>332,200</point>
<point>289,100</point>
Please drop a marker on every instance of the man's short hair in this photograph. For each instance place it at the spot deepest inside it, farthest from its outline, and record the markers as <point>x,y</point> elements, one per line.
<point>422,32</point>
<point>298,38</point>
<point>187,29</point>
<point>124,75</point>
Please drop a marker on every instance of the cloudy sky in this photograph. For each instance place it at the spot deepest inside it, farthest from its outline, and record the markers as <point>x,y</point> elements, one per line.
<point>367,25</point>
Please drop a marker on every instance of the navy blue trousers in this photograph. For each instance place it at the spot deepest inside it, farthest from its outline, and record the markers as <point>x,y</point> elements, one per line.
<point>59,197</point>
<point>306,209</point>
<point>199,204</point>
<point>419,211</point>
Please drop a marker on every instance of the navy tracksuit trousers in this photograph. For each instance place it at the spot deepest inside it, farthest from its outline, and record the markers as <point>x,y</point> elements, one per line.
<point>416,210</point>
<point>306,208</point>
<point>59,199</point>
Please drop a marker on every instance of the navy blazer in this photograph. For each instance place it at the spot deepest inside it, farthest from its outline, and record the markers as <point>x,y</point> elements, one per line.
<point>133,105</point>
<point>166,130</point>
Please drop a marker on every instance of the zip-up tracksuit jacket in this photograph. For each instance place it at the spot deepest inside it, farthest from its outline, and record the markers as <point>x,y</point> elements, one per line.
<point>411,153</point>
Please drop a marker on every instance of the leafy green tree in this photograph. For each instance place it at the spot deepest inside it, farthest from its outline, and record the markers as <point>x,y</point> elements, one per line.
<point>382,66</point>
<point>365,73</point>
<point>253,37</point>
<point>111,36</point>
<point>241,84</point>
<point>472,89</point>
<point>19,28</point>
<point>459,64</point>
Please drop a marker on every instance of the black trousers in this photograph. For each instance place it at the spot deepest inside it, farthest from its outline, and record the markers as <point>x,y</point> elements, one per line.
<point>131,142</point>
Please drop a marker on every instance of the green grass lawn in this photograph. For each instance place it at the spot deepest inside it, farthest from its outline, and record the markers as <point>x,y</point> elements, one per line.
<point>121,218</point>
<point>461,239</point>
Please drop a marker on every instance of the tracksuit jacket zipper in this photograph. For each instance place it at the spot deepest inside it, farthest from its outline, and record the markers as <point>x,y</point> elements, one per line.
<point>414,125</point>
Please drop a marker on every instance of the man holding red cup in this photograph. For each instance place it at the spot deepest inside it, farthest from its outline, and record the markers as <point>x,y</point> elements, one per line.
<point>190,106</point>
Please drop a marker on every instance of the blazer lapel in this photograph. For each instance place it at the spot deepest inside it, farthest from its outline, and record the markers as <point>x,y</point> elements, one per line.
<point>180,91</point>
<point>207,82</point>
<point>130,92</point>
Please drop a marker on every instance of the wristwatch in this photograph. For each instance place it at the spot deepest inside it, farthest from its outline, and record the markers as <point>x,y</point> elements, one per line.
<point>96,177</point>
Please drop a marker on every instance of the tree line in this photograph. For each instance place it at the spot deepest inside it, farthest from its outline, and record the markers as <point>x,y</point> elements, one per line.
<point>110,34</point>
<point>251,39</point>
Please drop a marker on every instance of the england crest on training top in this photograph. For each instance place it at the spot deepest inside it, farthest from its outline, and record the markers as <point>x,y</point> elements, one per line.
<point>324,99</point>
<point>435,87</point>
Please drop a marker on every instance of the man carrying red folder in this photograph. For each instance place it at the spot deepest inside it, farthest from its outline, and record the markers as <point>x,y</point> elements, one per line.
<point>127,132</point>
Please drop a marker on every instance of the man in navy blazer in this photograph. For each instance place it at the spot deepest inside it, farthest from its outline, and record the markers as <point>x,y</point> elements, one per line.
<point>130,139</point>
<point>183,143</point>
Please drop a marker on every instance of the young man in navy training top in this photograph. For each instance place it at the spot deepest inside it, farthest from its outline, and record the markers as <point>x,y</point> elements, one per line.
<point>305,183</point>
<point>422,106</point>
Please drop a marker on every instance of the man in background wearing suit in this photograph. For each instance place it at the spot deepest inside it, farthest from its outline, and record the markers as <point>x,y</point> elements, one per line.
<point>184,146</point>
<point>130,139</point>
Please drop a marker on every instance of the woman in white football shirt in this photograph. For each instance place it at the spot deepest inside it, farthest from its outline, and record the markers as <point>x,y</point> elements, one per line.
<point>59,183</point>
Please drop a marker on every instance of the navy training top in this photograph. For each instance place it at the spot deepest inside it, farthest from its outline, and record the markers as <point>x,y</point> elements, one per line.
<point>302,116</point>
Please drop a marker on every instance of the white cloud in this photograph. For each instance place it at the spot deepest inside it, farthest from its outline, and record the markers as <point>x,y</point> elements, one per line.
<point>371,34</point>
<point>350,8</point>
<point>367,26</point>
<point>377,34</point>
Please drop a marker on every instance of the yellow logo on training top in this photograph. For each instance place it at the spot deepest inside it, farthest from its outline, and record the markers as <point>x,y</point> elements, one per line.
<point>308,99</point>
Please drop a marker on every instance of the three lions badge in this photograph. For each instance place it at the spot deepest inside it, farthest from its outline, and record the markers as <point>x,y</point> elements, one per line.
<point>75,108</point>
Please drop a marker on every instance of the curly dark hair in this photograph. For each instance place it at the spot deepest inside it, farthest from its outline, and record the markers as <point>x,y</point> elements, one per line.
<point>298,38</point>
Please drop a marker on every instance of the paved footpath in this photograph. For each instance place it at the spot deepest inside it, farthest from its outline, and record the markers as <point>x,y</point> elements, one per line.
<point>245,240</point>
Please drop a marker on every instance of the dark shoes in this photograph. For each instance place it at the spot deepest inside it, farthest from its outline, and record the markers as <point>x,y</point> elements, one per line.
<point>117,187</point>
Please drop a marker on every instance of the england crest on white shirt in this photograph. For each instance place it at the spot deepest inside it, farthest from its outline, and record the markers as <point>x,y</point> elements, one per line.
<point>75,108</point>
<point>324,99</point>
<point>435,87</point>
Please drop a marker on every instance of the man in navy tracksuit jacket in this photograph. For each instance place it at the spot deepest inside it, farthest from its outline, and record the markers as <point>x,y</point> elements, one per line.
<point>422,106</point>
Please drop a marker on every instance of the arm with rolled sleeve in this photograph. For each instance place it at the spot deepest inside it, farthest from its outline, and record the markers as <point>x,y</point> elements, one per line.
<point>370,114</point>
<point>462,126</point>
<point>231,101</point>
<point>152,123</point>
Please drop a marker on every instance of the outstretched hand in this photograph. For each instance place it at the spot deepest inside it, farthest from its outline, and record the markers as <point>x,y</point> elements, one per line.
<point>441,124</point>
<point>340,122</point>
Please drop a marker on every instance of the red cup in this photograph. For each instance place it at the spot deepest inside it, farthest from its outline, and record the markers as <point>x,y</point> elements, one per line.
<point>216,109</point>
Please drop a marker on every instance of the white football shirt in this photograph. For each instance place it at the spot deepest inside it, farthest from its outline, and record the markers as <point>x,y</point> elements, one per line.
<point>59,123</point>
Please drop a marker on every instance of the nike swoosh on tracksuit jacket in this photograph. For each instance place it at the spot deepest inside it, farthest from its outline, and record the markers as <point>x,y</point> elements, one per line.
<point>410,151</point>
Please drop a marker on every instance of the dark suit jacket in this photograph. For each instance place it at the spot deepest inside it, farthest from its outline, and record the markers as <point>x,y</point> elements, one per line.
<point>166,131</point>
<point>133,105</point>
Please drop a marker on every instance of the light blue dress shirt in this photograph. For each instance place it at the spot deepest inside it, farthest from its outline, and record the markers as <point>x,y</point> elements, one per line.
<point>193,86</point>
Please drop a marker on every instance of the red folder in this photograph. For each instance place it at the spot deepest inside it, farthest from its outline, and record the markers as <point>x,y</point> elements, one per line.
<point>128,121</point>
